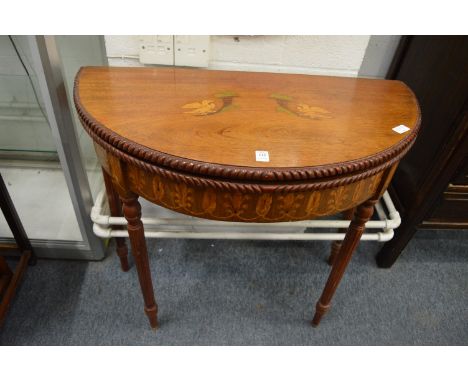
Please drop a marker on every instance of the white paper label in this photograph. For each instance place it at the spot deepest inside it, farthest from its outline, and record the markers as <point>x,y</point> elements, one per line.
<point>401,129</point>
<point>262,156</point>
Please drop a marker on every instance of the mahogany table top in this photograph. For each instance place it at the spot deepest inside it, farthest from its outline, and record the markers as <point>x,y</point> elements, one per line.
<point>224,117</point>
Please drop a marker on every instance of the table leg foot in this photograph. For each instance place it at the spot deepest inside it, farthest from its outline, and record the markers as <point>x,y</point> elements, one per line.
<point>340,262</point>
<point>152,314</point>
<point>320,310</point>
<point>132,212</point>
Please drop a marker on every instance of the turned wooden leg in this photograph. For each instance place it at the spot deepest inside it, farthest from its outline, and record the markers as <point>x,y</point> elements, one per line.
<point>132,212</point>
<point>353,235</point>
<point>336,245</point>
<point>115,207</point>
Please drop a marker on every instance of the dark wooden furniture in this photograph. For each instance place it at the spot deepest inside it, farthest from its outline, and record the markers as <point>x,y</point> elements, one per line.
<point>187,140</point>
<point>10,280</point>
<point>430,186</point>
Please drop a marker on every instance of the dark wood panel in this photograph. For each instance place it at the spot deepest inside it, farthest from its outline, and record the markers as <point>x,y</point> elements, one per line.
<point>462,175</point>
<point>454,206</point>
<point>443,224</point>
<point>436,69</point>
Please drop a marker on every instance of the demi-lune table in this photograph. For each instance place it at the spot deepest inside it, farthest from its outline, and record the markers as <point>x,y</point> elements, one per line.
<point>245,147</point>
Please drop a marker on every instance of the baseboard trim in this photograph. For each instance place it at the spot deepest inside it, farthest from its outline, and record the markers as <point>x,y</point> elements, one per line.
<point>63,250</point>
<point>248,67</point>
<point>224,65</point>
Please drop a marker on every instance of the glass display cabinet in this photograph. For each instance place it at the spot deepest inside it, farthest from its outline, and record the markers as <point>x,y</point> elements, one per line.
<point>48,163</point>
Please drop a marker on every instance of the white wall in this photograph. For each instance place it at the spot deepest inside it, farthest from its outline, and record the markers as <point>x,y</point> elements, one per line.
<point>324,55</point>
<point>77,51</point>
<point>379,55</point>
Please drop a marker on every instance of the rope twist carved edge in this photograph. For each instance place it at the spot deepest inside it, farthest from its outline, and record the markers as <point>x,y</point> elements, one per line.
<point>197,181</point>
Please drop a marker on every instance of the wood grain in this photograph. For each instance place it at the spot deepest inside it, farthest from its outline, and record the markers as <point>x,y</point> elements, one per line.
<point>132,212</point>
<point>353,235</point>
<point>323,120</point>
<point>336,245</point>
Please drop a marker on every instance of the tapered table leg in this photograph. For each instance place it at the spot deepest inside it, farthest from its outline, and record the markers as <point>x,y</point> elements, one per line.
<point>132,212</point>
<point>115,207</point>
<point>353,235</point>
<point>336,245</point>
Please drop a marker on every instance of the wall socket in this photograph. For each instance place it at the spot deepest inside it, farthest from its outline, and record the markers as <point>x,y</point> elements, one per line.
<point>157,50</point>
<point>175,50</point>
<point>191,51</point>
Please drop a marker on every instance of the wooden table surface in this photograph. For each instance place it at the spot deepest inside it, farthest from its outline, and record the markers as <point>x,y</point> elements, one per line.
<point>186,139</point>
<point>222,117</point>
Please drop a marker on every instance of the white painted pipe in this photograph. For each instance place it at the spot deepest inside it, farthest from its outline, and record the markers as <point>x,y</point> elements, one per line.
<point>102,223</point>
<point>393,214</point>
<point>109,232</point>
<point>380,211</point>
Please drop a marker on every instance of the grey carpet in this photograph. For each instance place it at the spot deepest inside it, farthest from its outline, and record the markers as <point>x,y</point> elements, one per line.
<point>249,293</point>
